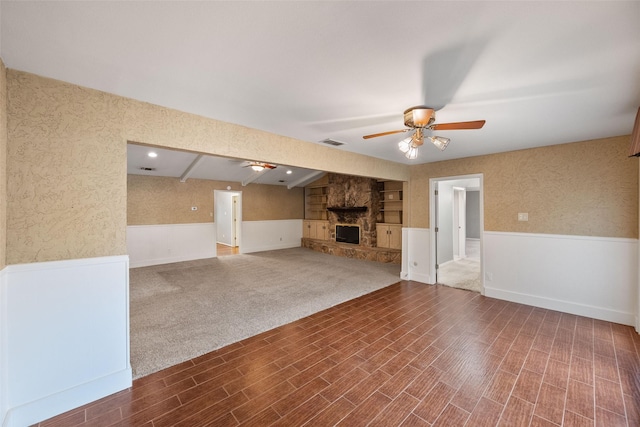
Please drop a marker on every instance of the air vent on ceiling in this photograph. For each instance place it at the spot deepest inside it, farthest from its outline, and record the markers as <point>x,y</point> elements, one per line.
<point>147,169</point>
<point>333,142</point>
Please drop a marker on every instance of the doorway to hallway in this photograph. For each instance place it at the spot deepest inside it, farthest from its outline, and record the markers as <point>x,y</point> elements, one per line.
<point>227,206</point>
<point>456,232</point>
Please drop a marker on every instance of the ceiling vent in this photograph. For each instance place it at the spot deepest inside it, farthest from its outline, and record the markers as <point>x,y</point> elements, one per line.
<point>333,142</point>
<point>147,169</point>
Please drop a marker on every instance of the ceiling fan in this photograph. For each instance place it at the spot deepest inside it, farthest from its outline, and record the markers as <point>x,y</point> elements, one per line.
<point>260,166</point>
<point>422,118</point>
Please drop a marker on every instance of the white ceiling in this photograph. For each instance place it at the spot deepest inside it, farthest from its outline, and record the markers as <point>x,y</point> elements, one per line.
<point>539,73</point>
<point>187,165</point>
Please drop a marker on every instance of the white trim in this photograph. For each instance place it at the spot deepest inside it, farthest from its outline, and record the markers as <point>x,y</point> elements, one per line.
<point>166,243</point>
<point>271,235</point>
<point>415,255</point>
<point>4,383</point>
<point>564,236</point>
<point>594,312</point>
<point>432,219</point>
<point>64,335</point>
<point>66,400</point>
<point>584,275</point>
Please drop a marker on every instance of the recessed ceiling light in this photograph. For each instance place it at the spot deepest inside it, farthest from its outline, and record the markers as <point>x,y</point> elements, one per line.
<point>152,154</point>
<point>289,172</point>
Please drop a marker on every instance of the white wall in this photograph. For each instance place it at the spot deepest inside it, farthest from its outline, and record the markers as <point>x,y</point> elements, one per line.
<point>416,255</point>
<point>64,336</point>
<point>445,221</point>
<point>166,243</point>
<point>162,244</point>
<point>223,202</point>
<point>473,214</point>
<point>588,276</point>
<point>269,235</point>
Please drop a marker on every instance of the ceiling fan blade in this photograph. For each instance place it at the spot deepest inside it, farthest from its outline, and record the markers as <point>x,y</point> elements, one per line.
<point>375,135</point>
<point>459,125</point>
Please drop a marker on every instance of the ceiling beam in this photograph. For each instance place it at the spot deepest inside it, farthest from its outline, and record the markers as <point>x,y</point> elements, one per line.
<point>306,179</point>
<point>254,176</point>
<point>187,173</point>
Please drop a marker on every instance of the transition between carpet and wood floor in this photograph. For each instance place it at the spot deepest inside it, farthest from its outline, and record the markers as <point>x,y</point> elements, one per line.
<point>409,354</point>
<point>182,310</point>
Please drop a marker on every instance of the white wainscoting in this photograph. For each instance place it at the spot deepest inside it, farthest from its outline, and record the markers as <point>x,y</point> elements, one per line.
<point>4,382</point>
<point>416,248</point>
<point>260,236</point>
<point>588,276</point>
<point>64,336</point>
<point>166,243</point>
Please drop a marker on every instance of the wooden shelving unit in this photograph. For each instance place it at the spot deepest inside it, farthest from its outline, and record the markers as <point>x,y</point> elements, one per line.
<point>389,226</point>
<point>391,202</point>
<point>316,202</point>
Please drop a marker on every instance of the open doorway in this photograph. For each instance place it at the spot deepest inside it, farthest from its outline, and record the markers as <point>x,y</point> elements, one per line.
<point>227,207</point>
<point>456,215</point>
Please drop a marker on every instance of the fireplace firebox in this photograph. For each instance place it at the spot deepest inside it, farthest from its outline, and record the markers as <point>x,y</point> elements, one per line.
<point>348,234</point>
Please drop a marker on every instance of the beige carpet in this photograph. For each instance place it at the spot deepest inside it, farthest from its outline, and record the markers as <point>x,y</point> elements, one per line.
<point>461,274</point>
<point>182,310</point>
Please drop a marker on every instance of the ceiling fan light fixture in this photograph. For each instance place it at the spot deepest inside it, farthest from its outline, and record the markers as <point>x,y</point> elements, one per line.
<point>412,154</point>
<point>405,144</point>
<point>419,116</point>
<point>418,138</point>
<point>257,168</point>
<point>440,142</point>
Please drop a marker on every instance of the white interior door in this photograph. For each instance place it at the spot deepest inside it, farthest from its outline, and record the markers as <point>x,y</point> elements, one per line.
<point>227,206</point>
<point>234,218</point>
<point>459,222</point>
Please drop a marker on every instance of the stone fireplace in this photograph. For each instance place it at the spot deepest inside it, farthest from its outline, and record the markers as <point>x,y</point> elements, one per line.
<point>354,203</point>
<point>353,200</point>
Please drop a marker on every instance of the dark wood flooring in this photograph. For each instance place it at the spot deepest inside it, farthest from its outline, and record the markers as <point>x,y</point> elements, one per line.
<point>407,355</point>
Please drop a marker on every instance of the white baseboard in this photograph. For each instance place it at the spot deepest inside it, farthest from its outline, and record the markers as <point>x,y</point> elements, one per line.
<point>258,236</point>
<point>585,275</point>
<point>422,278</point>
<point>272,247</point>
<point>168,260</point>
<point>59,403</point>
<point>415,255</point>
<point>563,306</point>
<point>166,243</point>
<point>64,336</point>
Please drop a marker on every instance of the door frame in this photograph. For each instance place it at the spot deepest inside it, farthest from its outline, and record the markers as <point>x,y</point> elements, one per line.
<point>433,185</point>
<point>236,214</point>
<point>459,219</point>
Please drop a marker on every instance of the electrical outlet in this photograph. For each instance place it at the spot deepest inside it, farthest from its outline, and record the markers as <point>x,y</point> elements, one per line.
<point>523,216</point>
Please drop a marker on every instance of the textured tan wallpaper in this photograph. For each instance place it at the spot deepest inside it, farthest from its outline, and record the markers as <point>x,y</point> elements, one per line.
<point>66,163</point>
<point>67,182</point>
<point>151,124</point>
<point>66,171</point>
<point>161,200</point>
<point>3,165</point>
<point>585,188</point>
